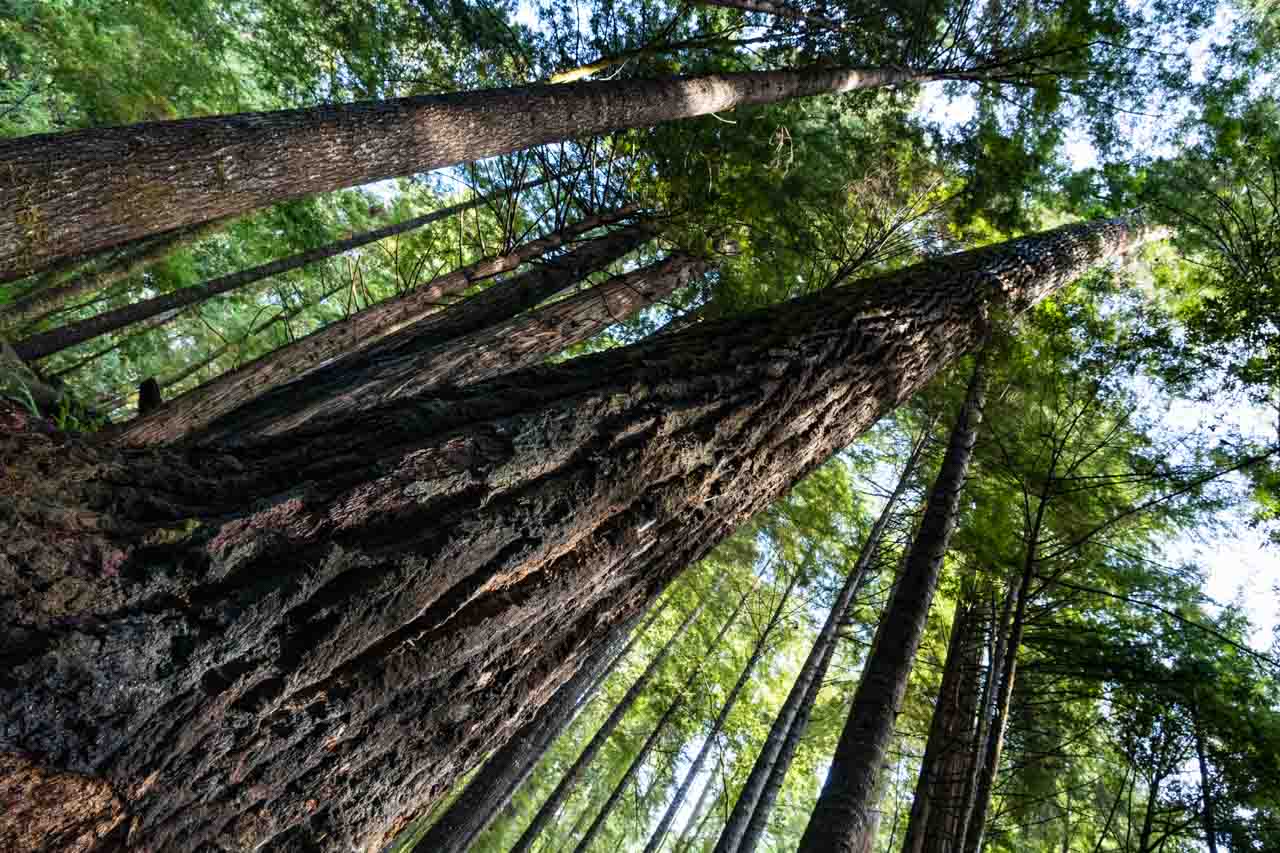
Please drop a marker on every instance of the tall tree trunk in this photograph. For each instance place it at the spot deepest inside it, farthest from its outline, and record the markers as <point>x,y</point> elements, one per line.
<point>507,769</point>
<point>713,650</point>
<point>293,629</point>
<point>994,745</point>
<point>935,807</point>
<point>391,369</point>
<point>556,799</point>
<point>1206,785</point>
<point>70,193</point>
<point>842,820</point>
<point>41,303</point>
<point>776,10</point>
<point>199,407</point>
<point>53,341</point>
<point>750,816</point>
<point>775,618</point>
<point>693,825</point>
<point>996,629</point>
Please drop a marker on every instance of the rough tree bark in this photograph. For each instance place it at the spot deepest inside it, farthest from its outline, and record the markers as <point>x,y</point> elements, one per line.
<point>394,367</point>
<point>556,799</point>
<point>842,820</point>
<point>55,340</point>
<point>746,823</point>
<point>506,770</point>
<point>71,193</point>
<point>277,645</point>
<point>935,807</point>
<point>775,619</point>
<point>199,407</point>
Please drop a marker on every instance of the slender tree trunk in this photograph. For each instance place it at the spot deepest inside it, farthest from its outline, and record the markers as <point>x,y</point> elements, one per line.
<point>841,821</point>
<point>46,301</point>
<point>391,368</point>
<point>107,405</point>
<point>776,10</point>
<point>693,825</point>
<point>47,343</point>
<point>294,630</point>
<point>750,816</point>
<point>659,833</point>
<point>996,629</point>
<point>1206,785</point>
<point>1008,675</point>
<point>935,807</point>
<point>196,409</point>
<point>507,769</point>
<point>71,193</point>
<point>556,799</point>
<point>712,651</point>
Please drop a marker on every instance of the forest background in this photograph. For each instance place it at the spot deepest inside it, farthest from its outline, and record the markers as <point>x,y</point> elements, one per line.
<point>1146,706</point>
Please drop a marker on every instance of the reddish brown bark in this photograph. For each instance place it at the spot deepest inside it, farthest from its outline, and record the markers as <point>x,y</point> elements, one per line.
<point>395,366</point>
<point>302,643</point>
<point>199,407</point>
<point>843,820</point>
<point>71,193</point>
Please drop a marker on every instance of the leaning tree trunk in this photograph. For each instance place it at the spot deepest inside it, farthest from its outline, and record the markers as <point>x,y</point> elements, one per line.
<point>274,645</point>
<point>690,682</point>
<point>41,303</point>
<point>71,193</point>
<point>506,770</point>
<point>936,804</point>
<point>556,799</point>
<point>842,821</point>
<point>746,823</point>
<point>659,833</point>
<point>55,340</point>
<point>393,368</point>
<point>199,407</point>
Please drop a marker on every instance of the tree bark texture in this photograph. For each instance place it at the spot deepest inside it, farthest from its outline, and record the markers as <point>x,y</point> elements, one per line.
<point>302,643</point>
<point>47,343</point>
<point>842,820</point>
<point>506,770</point>
<point>935,808</point>
<point>404,362</point>
<point>750,816</point>
<point>70,193</point>
<point>659,833</point>
<point>199,407</point>
<point>556,799</point>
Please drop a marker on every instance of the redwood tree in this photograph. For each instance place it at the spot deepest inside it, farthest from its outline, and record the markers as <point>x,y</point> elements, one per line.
<point>275,643</point>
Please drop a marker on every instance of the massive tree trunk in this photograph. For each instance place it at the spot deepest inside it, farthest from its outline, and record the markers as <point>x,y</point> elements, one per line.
<point>842,821</point>
<point>556,799</point>
<point>395,367</point>
<point>746,824</point>
<point>713,649</point>
<point>303,642</point>
<point>71,193</point>
<point>935,808</point>
<point>56,340</point>
<point>199,407</point>
<point>775,618</point>
<point>506,770</point>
